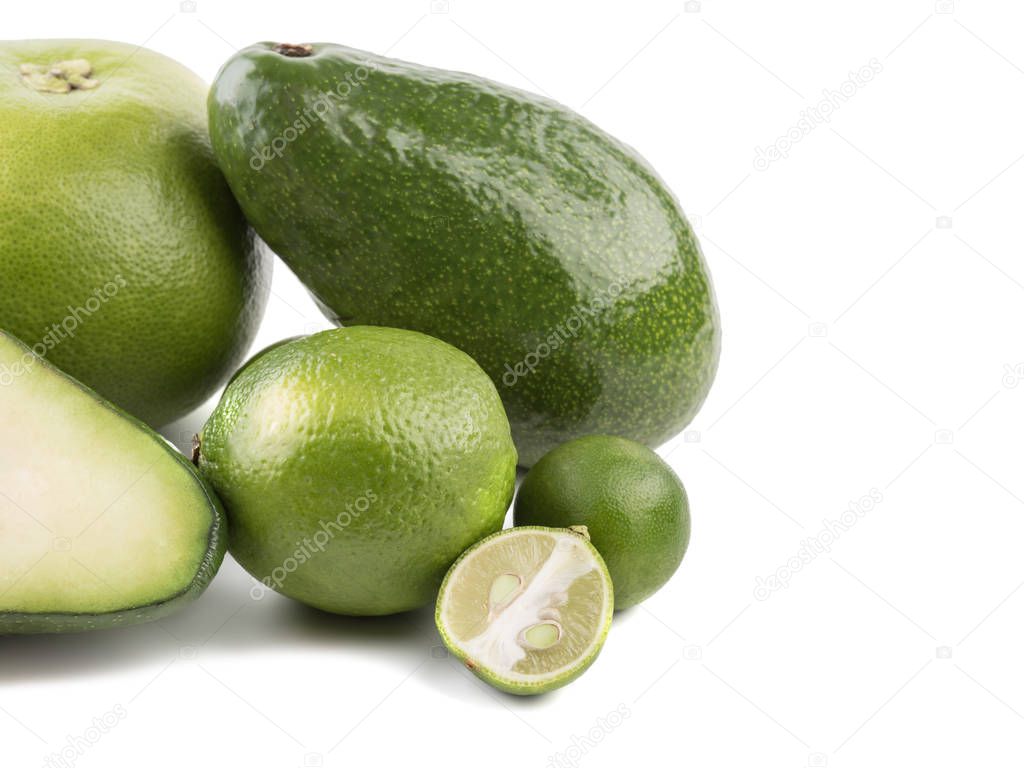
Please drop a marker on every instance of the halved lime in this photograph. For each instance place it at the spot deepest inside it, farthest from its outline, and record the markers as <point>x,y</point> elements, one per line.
<point>527,609</point>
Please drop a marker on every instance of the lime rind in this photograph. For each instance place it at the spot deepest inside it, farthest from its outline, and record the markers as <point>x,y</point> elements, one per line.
<point>554,607</point>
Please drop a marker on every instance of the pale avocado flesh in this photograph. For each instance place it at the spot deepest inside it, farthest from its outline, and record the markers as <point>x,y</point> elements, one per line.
<point>102,522</point>
<point>498,221</point>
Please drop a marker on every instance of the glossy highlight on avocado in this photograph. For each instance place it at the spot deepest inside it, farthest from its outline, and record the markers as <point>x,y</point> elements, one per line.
<point>102,522</point>
<point>496,220</point>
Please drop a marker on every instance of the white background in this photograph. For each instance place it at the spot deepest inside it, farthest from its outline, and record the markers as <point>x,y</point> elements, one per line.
<point>872,295</point>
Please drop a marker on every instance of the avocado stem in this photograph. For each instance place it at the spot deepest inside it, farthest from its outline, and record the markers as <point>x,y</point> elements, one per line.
<point>294,51</point>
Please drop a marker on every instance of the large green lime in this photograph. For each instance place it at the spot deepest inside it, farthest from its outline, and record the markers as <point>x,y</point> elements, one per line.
<point>631,501</point>
<point>124,259</point>
<point>356,464</point>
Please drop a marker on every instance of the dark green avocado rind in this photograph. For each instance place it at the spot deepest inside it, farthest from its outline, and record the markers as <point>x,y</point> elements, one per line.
<point>17,623</point>
<point>496,220</point>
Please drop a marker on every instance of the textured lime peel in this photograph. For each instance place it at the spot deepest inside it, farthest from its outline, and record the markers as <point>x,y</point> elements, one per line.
<point>527,609</point>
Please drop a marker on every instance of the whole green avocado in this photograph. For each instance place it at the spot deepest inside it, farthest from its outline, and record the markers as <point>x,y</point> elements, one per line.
<point>496,220</point>
<point>124,259</point>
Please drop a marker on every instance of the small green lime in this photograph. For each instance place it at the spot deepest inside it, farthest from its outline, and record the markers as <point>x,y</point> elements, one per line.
<point>527,609</point>
<point>630,500</point>
<point>356,464</point>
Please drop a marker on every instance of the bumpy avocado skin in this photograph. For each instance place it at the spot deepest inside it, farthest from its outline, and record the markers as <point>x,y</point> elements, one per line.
<point>498,221</point>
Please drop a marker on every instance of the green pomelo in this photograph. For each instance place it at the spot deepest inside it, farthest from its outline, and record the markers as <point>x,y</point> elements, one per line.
<point>124,259</point>
<point>356,464</point>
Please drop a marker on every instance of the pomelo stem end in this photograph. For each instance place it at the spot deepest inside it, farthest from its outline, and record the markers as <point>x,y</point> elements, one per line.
<point>59,77</point>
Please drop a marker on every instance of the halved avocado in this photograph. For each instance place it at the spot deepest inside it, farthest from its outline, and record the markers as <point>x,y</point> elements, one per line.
<point>102,522</point>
